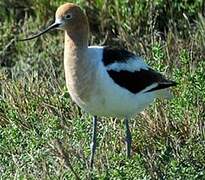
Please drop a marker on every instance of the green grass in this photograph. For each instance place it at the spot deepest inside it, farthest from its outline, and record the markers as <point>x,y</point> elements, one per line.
<point>44,135</point>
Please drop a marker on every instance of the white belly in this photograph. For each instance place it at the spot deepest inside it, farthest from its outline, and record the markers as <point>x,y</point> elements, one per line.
<point>111,100</point>
<point>116,105</point>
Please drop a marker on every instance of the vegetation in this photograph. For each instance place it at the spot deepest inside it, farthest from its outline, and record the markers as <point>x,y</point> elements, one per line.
<point>44,135</point>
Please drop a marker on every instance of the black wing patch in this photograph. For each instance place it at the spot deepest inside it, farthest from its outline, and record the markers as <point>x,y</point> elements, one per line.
<point>139,80</point>
<point>111,55</point>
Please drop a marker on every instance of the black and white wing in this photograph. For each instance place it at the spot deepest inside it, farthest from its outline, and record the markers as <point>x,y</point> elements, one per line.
<point>130,72</point>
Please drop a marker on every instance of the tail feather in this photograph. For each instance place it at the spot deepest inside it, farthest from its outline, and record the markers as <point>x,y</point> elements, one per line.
<point>164,93</point>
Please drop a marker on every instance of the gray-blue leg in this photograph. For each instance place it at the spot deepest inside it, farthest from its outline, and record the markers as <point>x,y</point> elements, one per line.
<point>93,143</point>
<point>128,138</point>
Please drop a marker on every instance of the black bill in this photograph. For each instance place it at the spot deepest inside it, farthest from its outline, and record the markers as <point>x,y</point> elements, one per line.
<point>52,26</point>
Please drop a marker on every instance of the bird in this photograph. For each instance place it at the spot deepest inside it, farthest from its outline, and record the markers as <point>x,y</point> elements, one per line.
<point>102,80</point>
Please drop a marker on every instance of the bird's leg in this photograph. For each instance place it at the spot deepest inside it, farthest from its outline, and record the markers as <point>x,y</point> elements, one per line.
<point>128,138</point>
<point>93,143</point>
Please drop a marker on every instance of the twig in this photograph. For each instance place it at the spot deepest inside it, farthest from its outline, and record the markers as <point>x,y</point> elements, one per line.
<point>8,45</point>
<point>66,158</point>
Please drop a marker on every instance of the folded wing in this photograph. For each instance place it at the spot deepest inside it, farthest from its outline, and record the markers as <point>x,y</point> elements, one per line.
<point>130,72</point>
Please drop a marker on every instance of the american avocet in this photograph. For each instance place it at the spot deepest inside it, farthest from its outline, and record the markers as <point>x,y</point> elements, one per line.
<point>101,80</point>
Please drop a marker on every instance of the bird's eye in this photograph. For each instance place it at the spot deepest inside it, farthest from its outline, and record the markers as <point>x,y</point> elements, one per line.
<point>68,16</point>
